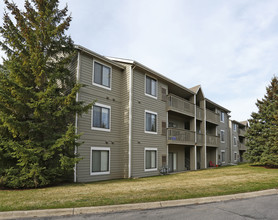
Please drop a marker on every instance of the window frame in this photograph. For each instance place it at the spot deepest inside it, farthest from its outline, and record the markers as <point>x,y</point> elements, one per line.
<point>93,75</point>
<point>156,87</point>
<point>92,117</point>
<point>235,141</point>
<point>156,158</point>
<point>235,156</point>
<point>223,136</point>
<point>222,113</point>
<point>91,160</point>
<point>145,121</point>
<point>223,159</point>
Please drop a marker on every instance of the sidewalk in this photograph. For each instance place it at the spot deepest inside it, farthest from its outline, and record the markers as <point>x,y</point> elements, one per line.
<point>128,207</point>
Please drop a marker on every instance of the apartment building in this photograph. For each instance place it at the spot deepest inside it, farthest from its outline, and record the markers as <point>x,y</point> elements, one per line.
<point>237,145</point>
<point>142,121</point>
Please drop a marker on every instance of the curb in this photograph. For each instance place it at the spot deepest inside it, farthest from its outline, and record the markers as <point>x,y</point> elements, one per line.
<point>129,207</point>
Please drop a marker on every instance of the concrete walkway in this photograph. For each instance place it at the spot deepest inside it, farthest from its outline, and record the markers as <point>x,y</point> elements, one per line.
<point>128,207</point>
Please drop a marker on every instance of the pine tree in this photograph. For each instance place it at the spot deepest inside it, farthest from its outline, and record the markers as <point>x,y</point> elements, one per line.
<point>262,135</point>
<point>37,96</point>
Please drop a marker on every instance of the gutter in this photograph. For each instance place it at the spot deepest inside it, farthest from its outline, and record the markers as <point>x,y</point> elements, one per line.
<point>76,115</point>
<point>130,119</point>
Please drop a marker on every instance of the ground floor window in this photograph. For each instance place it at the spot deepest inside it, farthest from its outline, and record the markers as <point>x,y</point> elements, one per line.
<point>150,159</point>
<point>223,156</point>
<point>100,160</point>
<point>235,156</point>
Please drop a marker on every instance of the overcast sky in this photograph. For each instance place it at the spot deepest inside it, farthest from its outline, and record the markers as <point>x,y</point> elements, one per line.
<point>229,47</point>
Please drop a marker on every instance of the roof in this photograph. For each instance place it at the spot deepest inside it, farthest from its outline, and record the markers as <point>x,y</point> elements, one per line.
<point>219,106</point>
<point>103,58</point>
<point>195,88</point>
<point>133,62</point>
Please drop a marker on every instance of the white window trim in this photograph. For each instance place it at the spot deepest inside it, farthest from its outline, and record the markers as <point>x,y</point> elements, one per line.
<point>223,151</point>
<point>235,142</point>
<point>234,156</point>
<point>92,118</point>
<point>101,86</point>
<point>154,97</point>
<point>223,136</point>
<point>99,173</point>
<point>150,132</point>
<point>150,149</point>
<point>223,116</point>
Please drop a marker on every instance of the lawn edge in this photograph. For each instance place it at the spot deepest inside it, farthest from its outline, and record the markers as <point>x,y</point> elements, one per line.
<point>134,206</point>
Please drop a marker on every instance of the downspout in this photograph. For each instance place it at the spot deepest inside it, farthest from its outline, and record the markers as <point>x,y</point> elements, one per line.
<point>130,119</point>
<point>76,115</point>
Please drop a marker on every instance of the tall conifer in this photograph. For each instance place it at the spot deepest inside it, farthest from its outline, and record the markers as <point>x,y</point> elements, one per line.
<point>262,135</point>
<point>37,96</point>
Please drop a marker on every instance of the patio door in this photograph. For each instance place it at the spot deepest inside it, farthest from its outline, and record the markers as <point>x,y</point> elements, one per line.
<point>172,160</point>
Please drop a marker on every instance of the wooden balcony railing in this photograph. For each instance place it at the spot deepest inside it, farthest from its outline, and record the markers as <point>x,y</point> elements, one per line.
<point>200,139</point>
<point>180,105</point>
<point>212,117</point>
<point>212,141</point>
<point>199,113</point>
<point>180,136</point>
<point>241,132</point>
<point>241,146</point>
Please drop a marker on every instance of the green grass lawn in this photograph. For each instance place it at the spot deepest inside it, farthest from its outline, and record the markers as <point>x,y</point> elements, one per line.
<point>210,182</point>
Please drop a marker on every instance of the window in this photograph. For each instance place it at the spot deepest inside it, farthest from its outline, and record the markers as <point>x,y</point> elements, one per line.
<point>101,117</point>
<point>235,141</point>
<point>150,122</point>
<point>102,75</point>
<point>235,126</point>
<point>100,160</point>
<point>151,85</point>
<point>235,156</point>
<point>150,159</point>
<point>223,156</point>
<point>222,116</point>
<point>222,139</point>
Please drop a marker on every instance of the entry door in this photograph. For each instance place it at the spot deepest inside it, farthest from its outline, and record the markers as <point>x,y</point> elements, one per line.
<point>172,160</point>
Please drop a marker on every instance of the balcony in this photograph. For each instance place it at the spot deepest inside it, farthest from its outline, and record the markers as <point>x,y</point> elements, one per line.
<point>212,141</point>
<point>199,113</point>
<point>180,136</point>
<point>212,117</point>
<point>180,105</point>
<point>241,146</point>
<point>241,132</point>
<point>200,139</point>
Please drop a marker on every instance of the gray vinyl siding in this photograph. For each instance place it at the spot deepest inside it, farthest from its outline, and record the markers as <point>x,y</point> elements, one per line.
<point>234,148</point>
<point>140,139</point>
<point>94,138</point>
<point>226,145</point>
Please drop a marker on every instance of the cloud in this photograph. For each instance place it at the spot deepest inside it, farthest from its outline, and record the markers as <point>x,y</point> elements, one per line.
<point>229,47</point>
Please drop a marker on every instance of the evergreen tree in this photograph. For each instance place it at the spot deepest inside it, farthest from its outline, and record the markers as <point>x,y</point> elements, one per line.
<point>262,135</point>
<point>37,96</point>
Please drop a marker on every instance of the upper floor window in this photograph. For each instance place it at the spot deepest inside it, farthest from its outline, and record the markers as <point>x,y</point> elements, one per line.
<point>222,116</point>
<point>235,141</point>
<point>222,139</point>
<point>151,87</point>
<point>101,117</point>
<point>102,75</point>
<point>150,122</point>
<point>235,126</point>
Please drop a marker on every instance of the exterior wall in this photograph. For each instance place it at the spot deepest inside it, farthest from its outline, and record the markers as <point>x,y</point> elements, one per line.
<point>224,146</point>
<point>234,147</point>
<point>140,139</point>
<point>94,138</point>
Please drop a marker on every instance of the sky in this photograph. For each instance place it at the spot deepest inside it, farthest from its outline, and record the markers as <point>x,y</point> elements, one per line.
<point>229,47</point>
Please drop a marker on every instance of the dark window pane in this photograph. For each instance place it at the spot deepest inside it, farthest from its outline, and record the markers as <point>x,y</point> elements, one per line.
<point>148,85</point>
<point>106,76</point>
<point>105,118</point>
<point>96,161</point>
<point>96,116</point>
<point>97,73</point>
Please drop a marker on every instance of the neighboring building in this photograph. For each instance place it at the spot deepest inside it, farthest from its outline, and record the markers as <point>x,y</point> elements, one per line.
<point>142,121</point>
<point>237,145</point>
